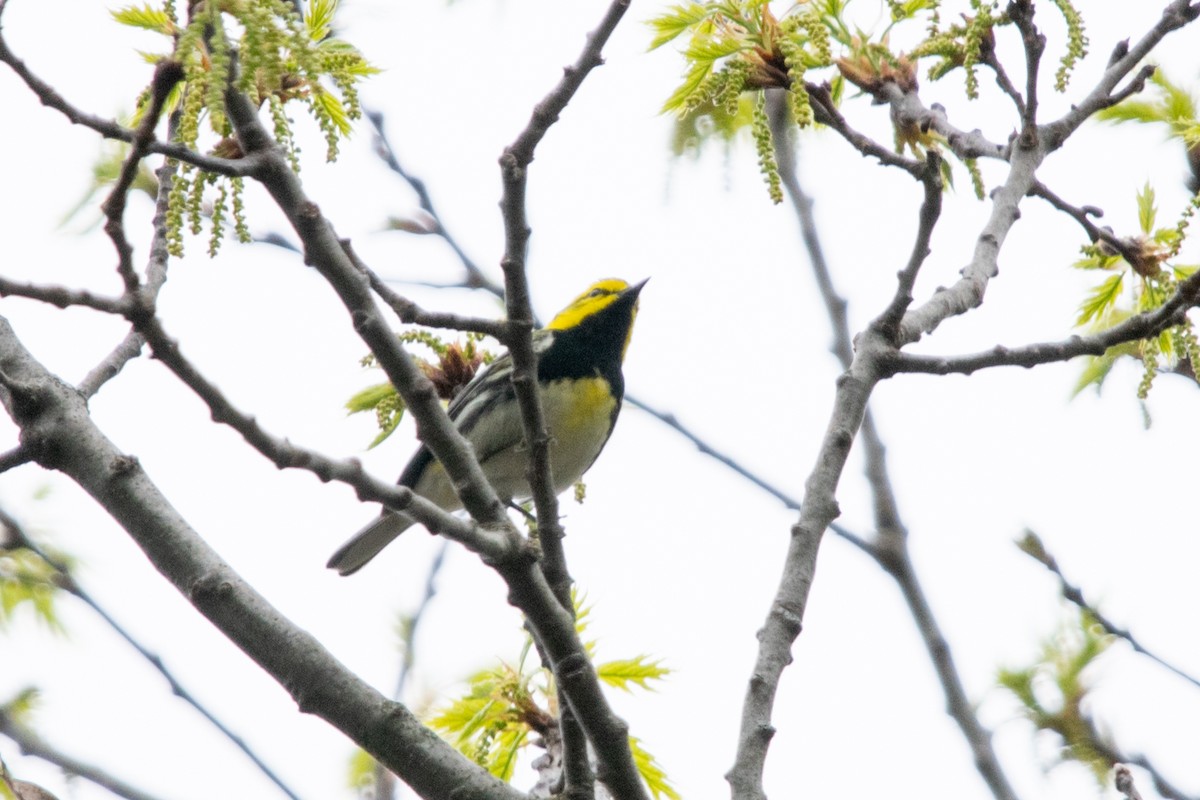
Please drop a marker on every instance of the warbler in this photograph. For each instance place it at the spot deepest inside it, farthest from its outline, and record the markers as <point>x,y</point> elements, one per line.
<point>579,354</point>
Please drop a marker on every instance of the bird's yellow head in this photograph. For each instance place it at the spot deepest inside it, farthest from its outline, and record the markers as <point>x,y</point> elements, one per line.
<point>598,297</point>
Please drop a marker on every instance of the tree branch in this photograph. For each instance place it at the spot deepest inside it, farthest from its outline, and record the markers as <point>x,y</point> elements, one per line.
<point>1083,217</point>
<point>890,547</point>
<point>1139,326</point>
<point>909,112</point>
<point>109,129</point>
<point>55,416</point>
<point>888,322</point>
<point>1176,15</point>
<point>618,770</point>
<point>514,166</point>
<point>33,745</point>
<point>66,581</point>
<point>475,277</point>
<point>1031,545</point>
<point>528,591</point>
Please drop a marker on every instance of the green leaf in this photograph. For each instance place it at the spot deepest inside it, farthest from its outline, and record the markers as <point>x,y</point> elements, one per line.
<point>502,755</point>
<point>387,429</point>
<point>695,76</point>
<point>368,398</point>
<point>1102,298</point>
<point>146,17</point>
<point>652,773</point>
<point>318,18</point>
<point>1146,209</point>
<point>627,673</point>
<point>330,107</point>
<point>675,21</point>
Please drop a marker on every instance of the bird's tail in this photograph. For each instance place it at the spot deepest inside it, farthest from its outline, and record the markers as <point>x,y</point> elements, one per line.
<point>366,544</point>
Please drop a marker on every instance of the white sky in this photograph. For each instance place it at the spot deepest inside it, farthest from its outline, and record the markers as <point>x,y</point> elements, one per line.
<point>679,557</point>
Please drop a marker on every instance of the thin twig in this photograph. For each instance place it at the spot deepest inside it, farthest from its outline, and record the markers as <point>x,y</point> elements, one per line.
<point>1034,42</point>
<point>109,129</point>
<point>55,415</point>
<point>385,782</point>
<point>33,745</point>
<point>890,547</point>
<point>66,581</point>
<point>497,539</point>
<point>1139,326</point>
<point>64,297</point>
<point>14,457</point>
<point>888,322</point>
<point>1083,216</point>
<point>619,773</point>
<point>1176,15</point>
<point>411,313</point>
<point>987,57</point>
<point>475,278</point>
<point>1123,782</point>
<point>825,111</point>
<point>1031,544</point>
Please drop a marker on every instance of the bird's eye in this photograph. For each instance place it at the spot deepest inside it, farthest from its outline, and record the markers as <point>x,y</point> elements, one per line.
<point>597,293</point>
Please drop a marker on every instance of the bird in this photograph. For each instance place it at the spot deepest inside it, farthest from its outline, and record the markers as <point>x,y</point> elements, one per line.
<point>579,358</point>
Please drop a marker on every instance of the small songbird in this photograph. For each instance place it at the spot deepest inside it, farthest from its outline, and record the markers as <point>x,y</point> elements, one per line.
<point>579,376</point>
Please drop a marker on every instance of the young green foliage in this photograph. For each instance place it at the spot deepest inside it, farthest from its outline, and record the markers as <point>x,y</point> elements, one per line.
<point>28,580</point>
<point>280,57</point>
<point>1052,691</point>
<point>1142,279</point>
<point>505,707</point>
<point>734,46</point>
<point>454,367</point>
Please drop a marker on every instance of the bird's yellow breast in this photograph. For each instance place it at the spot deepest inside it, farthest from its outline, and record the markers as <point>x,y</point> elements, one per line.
<point>579,417</point>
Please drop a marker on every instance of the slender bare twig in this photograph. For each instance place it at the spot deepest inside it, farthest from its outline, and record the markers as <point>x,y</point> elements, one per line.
<point>888,322</point>
<point>1176,15</point>
<point>890,546</point>
<point>1083,215</point>
<point>112,130</point>
<point>385,783</point>
<point>1139,326</point>
<point>16,456</point>
<point>410,312</point>
<point>63,297</point>
<point>514,168</point>
<point>55,416</point>
<point>987,57</point>
<point>285,455</point>
<point>621,774</point>
<point>17,537</point>
<point>1123,782</point>
<point>1031,544</point>
<point>475,277</point>
<point>825,111</point>
<point>909,112</point>
<point>1034,43</point>
<point>33,745</point>
<point>528,590</point>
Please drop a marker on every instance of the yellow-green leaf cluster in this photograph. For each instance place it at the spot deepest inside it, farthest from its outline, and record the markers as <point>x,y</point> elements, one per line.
<point>281,57</point>
<point>1173,106</point>
<point>28,581</point>
<point>503,708</point>
<point>1144,276</point>
<point>453,366</point>
<point>1052,691</point>
<point>735,46</point>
